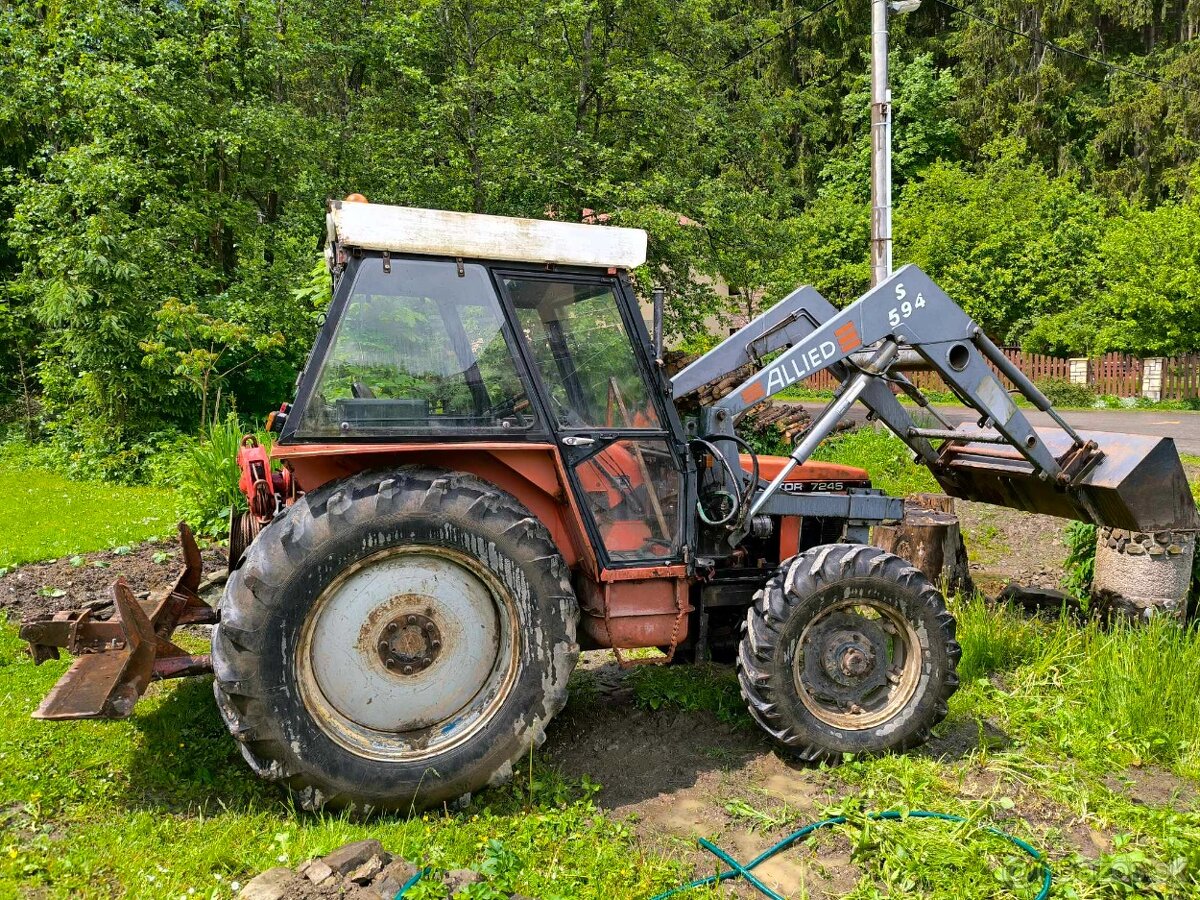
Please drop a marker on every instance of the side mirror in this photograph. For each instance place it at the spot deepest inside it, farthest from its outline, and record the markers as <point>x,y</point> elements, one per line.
<point>658,325</point>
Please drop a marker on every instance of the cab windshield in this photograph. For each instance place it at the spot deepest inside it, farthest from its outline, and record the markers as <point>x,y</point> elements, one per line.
<point>421,348</point>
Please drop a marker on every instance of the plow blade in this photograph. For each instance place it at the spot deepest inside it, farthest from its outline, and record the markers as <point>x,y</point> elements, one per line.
<point>117,658</point>
<point>1136,482</point>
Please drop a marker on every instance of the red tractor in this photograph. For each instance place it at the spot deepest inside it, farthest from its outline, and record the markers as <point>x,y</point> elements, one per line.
<point>484,471</point>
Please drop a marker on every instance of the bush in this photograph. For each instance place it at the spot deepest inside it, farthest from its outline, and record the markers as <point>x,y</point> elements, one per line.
<point>1080,565</point>
<point>1061,392</point>
<point>206,474</point>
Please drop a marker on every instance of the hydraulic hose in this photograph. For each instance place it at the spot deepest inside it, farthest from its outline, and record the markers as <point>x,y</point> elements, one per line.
<point>737,500</point>
<point>738,870</point>
<point>742,501</point>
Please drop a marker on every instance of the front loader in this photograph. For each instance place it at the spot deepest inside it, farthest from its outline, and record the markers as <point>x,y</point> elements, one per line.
<point>485,470</point>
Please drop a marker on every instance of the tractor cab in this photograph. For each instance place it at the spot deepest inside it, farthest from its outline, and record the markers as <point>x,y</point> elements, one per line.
<point>536,346</point>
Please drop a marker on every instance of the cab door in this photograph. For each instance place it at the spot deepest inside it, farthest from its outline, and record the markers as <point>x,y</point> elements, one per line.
<point>588,352</point>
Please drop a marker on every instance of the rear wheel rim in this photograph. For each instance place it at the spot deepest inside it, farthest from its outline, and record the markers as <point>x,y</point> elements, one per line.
<point>408,653</point>
<point>857,663</point>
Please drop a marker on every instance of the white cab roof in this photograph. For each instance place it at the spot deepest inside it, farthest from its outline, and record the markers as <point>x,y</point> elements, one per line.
<point>435,232</point>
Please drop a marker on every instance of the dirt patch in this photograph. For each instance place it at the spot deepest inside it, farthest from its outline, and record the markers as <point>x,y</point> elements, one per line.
<point>1009,545</point>
<point>963,738</point>
<point>677,776</point>
<point>1154,787</point>
<point>44,588</point>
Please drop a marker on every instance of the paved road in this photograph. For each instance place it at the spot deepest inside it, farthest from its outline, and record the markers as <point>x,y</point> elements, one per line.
<point>1183,426</point>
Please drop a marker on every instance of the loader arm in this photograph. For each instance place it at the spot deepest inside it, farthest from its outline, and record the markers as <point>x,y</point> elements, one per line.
<point>1127,481</point>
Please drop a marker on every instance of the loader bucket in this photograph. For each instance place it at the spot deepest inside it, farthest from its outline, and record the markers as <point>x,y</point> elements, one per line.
<point>1138,482</point>
<point>117,658</point>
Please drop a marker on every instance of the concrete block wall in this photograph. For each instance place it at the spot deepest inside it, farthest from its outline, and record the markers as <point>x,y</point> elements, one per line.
<point>1080,370</point>
<point>1152,377</point>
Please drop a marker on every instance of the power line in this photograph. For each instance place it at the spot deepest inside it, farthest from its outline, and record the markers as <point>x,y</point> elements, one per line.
<point>800,21</point>
<point>1113,67</point>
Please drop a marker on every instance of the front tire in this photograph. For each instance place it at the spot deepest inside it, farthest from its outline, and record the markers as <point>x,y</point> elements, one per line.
<point>848,649</point>
<point>395,640</point>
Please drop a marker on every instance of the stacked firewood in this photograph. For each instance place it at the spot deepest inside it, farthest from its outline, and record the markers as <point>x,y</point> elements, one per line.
<point>790,418</point>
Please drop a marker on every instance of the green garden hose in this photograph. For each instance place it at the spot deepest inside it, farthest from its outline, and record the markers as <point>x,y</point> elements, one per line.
<point>421,873</point>
<point>738,870</point>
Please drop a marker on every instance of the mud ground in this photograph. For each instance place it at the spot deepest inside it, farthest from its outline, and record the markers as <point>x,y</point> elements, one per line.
<point>74,581</point>
<point>1006,545</point>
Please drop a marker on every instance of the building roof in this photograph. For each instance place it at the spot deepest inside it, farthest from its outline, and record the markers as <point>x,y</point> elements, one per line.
<point>435,232</point>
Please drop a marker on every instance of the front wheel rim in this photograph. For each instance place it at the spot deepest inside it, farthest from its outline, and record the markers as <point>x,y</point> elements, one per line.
<point>857,663</point>
<point>408,653</point>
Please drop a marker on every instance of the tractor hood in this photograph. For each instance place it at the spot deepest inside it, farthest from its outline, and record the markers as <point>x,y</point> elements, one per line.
<point>809,476</point>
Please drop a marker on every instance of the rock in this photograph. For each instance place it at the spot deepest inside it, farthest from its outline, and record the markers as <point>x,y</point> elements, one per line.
<point>1034,598</point>
<point>267,886</point>
<point>457,879</point>
<point>386,888</point>
<point>317,871</point>
<point>394,876</point>
<point>367,871</point>
<point>351,856</point>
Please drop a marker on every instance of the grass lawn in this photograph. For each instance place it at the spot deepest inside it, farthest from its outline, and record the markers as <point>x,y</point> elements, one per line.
<point>45,516</point>
<point>1062,720</point>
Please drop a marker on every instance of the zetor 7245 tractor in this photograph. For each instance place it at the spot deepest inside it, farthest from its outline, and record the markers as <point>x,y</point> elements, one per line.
<point>484,470</point>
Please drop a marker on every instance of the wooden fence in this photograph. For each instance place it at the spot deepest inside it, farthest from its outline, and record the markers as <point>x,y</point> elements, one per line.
<point>1181,377</point>
<point>1115,374</point>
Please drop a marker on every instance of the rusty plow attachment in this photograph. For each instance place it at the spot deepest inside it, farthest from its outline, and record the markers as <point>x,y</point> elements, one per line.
<point>118,657</point>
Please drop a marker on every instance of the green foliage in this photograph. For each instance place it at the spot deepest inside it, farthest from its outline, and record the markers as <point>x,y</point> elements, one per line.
<point>1080,565</point>
<point>203,350</point>
<point>1007,241</point>
<point>206,474</point>
<point>1062,392</point>
<point>690,688</point>
<point>994,638</point>
<point>885,458</point>
<point>165,167</point>
<point>765,440</point>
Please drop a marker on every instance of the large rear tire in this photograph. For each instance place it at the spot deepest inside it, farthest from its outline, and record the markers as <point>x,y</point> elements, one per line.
<point>848,649</point>
<point>395,640</point>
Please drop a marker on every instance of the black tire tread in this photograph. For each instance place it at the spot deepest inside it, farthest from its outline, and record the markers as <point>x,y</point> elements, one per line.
<point>238,640</point>
<point>798,578</point>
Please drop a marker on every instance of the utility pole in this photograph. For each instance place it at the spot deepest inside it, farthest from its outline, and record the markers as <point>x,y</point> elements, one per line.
<point>881,146</point>
<point>881,137</point>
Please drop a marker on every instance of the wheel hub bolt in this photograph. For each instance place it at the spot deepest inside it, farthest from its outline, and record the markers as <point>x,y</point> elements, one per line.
<point>410,643</point>
<point>855,663</point>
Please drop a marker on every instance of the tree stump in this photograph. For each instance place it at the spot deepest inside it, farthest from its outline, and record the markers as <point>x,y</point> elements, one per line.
<point>931,539</point>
